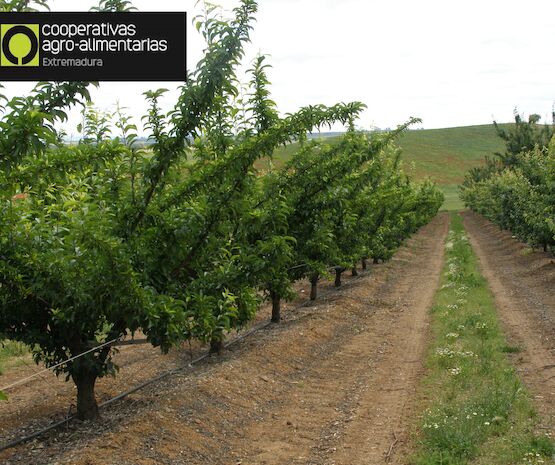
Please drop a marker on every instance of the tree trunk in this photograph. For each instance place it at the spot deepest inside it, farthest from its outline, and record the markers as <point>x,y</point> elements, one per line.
<point>545,247</point>
<point>376,261</point>
<point>87,408</point>
<point>314,287</point>
<point>354,271</point>
<point>364,264</point>
<point>276,307</point>
<point>338,271</point>
<point>216,346</point>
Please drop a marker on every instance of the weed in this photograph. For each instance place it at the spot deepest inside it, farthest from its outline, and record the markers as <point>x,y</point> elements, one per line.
<point>10,353</point>
<point>478,411</point>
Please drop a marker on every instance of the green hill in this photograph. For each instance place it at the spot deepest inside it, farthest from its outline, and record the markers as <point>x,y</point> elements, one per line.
<point>446,155</point>
<point>441,154</point>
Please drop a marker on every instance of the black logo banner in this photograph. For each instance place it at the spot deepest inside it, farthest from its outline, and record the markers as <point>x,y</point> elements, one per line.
<point>93,46</point>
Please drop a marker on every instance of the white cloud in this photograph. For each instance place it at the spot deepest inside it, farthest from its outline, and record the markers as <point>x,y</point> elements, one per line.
<point>450,63</point>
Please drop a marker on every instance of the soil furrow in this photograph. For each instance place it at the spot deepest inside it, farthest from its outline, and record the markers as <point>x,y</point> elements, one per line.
<point>523,284</point>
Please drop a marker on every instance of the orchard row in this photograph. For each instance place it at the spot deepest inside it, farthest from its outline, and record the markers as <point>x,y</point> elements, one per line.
<point>516,190</point>
<point>186,238</point>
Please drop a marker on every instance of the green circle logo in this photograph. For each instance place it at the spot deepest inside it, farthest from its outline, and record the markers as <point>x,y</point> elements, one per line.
<point>20,45</point>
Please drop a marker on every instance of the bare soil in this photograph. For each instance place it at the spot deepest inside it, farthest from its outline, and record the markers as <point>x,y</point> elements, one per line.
<point>523,284</point>
<point>334,383</point>
<point>46,399</point>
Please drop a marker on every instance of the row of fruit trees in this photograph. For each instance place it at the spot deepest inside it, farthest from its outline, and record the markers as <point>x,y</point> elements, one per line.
<point>186,238</point>
<point>516,189</point>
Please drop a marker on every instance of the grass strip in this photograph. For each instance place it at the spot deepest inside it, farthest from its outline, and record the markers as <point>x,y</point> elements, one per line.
<point>476,409</point>
<point>11,353</point>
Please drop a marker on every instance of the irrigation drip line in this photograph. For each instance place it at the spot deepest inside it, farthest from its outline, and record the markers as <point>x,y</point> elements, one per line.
<point>118,342</point>
<point>39,373</point>
<point>296,267</point>
<point>132,342</point>
<point>304,265</point>
<point>168,373</point>
<point>182,368</point>
<point>160,377</point>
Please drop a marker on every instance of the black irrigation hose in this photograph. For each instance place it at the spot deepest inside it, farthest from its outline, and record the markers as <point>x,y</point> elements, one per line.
<point>130,391</point>
<point>35,435</point>
<point>131,342</point>
<point>166,374</point>
<point>180,369</point>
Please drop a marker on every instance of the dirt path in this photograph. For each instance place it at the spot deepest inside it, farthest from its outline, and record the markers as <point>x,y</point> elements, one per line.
<point>331,385</point>
<point>523,283</point>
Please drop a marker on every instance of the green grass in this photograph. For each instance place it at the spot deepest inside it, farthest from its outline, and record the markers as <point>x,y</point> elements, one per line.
<point>444,155</point>
<point>285,152</point>
<point>476,411</point>
<point>11,354</point>
<point>452,201</point>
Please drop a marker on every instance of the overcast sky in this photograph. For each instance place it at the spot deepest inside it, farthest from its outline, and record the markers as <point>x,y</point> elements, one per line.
<point>449,63</point>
